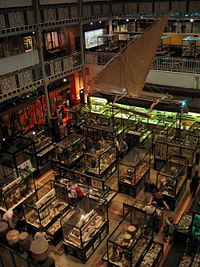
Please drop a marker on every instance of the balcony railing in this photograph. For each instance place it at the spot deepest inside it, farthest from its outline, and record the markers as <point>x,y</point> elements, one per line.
<point>160,63</point>
<point>28,79</point>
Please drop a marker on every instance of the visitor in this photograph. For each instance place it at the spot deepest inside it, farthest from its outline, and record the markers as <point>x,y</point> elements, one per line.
<point>121,147</point>
<point>194,184</point>
<point>169,229</point>
<point>7,217</point>
<point>153,217</point>
<point>158,197</point>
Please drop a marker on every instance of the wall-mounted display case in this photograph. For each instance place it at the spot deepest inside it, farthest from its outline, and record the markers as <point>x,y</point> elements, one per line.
<point>43,146</point>
<point>101,159</point>
<point>17,190</point>
<point>70,150</point>
<point>171,180</point>
<point>130,240</point>
<point>133,171</point>
<point>85,227</point>
<point>45,206</point>
<point>18,156</point>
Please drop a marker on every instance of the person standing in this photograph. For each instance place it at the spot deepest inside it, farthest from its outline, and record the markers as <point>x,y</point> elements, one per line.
<point>7,217</point>
<point>194,184</point>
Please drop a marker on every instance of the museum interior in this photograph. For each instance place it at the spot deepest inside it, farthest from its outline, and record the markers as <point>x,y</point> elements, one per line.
<point>99,133</point>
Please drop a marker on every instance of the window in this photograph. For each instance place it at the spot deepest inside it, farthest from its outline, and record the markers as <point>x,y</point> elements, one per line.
<point>51,40</point>
<point>91,39</point>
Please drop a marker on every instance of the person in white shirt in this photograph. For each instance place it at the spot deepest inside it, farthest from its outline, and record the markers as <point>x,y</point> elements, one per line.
<point>7,217</point>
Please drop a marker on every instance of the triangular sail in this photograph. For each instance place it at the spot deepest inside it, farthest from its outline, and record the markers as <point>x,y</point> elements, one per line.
<point>127,72</point>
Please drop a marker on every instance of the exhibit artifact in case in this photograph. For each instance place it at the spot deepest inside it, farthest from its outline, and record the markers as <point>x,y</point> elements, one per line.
<point>84,227</point>
<point>133,171</point>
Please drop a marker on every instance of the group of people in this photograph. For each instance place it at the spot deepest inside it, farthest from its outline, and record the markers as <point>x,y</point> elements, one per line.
<point>156,199</point>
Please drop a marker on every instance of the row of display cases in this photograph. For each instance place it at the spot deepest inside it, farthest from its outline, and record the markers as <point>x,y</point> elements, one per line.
<point>133,117</point>
<point>98,160</point>
<point>131,243</point>
<point>92,186</point>
<point>133,171</point>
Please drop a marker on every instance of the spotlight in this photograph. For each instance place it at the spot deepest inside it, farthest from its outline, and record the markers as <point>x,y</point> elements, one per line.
<point>191,20</point>
<point>91,23</point>
<point>100,21</point>
<point>4,139</point>
<point>64,80</point>
<point>34,133</point>
<point>33,32</point>
<point>127,20</point>
<point>184,104</point>
<point>141,17</point>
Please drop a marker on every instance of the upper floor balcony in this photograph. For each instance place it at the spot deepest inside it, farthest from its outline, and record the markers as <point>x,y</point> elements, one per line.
<point>31,78</point>
<point>58,13</point>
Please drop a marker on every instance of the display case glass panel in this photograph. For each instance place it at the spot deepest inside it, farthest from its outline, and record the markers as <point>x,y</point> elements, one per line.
<point>69,150</point>
<point>16,190</point>
<point>130,240</point>
<point>17,157</point>
<point>171,179</point>
<point>85,227</point>
<point>45,205</point>
<point>100,158</point>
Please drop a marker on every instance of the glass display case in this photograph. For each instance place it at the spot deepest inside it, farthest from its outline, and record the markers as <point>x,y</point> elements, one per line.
<point>45,206</point>
<point>171,180</point>
<point>92,186</point>
<point>164,149</point>
<point>85,227</point>
<point>153,256</point>
<point>101,159</point>
<point>16,158</point>
<point>183,227</point>
<point>43,146</point>
<point>16,190</point>
<point>133,171</point>
<point>70,150</point>
<point>129,241</point>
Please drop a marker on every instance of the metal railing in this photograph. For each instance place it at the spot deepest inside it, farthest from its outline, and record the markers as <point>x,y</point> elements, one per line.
<point>160,63</point>
<point>176,65</point>
<point>28,79</point>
